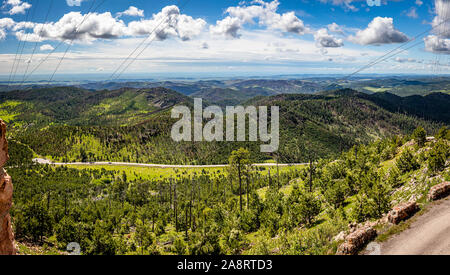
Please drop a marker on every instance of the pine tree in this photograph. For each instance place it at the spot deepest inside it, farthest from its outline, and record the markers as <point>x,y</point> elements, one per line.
<point>407,162</point>
<point>420,136</point>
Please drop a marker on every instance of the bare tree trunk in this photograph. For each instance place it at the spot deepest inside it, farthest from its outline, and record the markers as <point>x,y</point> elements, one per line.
<point>240,186</point>
<point>175,206</point>
<point>270,179</point>
<point>311,171</point>
<point>248,193</point>
<point>278,172</point>
<point>186,221</point>
<point>170,193</point>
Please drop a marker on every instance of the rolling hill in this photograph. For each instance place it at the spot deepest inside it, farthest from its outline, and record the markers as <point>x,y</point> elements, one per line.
<point>73,124</point>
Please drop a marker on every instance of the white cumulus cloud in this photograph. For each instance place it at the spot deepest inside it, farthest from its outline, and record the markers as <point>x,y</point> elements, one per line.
<point>46,47</point>
<point>441,22</point>
<point>262,13</point>
<point>325,40</point>
<point>5,23</point>
<point>72,3</point>
<point>132,11</point>
<point>436,44</point>
<point>78,27</point>
<point>16,6</point>
<point>380,31</point>
<point>174,24</point>
<point>335,28</point>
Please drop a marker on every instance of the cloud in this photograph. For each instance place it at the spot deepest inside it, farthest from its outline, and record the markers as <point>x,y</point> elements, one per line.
<point>16,6</point>
<point>72,3</point>
<point>69,27</point>
<point>407,60</point>
<point>347,4</point>
<point>131,11</point>
<point>47,47</point>
<point>325,40</point>
<point>78,27</point>
<point>380,31</point>
<point>412,13</point>
<point>261,12</point>
<point>5,23</point>
<point>441,22</point>
<point>436,44</point>
<point>229,27</point>
<point>419,3</point>
<point>174,24</point>
<point>439,42</point>
<point>335,28</point>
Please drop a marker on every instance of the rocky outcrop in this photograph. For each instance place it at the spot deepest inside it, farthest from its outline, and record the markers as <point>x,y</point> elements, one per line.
<point>357,240</point>
<point>6,193</point>
<point>439,191</point>
<point>402,212</point>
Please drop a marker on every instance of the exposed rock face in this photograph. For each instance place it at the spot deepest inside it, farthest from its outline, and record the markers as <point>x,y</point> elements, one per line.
<point>3,144</point>
<point>357,240</point>
<point>439,191</point>
<point>402,212</point>
<point>6,193</point>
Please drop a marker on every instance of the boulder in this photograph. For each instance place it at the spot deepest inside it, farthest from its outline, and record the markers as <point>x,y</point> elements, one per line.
<point>340,237</point>
<point>357,240</point>
<point>439,191</point>
<point>402,212</point>
<point>6,194</point>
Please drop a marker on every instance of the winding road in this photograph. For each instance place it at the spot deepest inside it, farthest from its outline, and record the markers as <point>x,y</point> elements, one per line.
<point>46,161</point>
<point>429,234</point>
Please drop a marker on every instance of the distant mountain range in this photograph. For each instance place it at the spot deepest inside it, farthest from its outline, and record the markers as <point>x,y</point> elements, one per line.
<point>238,90</point>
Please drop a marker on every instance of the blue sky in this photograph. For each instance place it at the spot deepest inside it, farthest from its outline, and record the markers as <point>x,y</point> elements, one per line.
<point>223,37</point>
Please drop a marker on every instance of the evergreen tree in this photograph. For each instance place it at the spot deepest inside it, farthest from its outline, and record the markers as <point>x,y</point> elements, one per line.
<point>240,163</point>
<point>420,136</point>
<point>407,162</point>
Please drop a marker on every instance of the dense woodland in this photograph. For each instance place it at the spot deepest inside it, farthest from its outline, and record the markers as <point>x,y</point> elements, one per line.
<point>129,125</point>
<point>240,211</point>
<point>361,149</point>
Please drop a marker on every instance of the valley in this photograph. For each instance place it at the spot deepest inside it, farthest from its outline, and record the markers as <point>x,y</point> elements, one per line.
<point>98,167</point>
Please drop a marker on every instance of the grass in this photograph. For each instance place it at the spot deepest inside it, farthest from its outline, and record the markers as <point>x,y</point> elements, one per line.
<point>47,250</point>
<point>152,173</point>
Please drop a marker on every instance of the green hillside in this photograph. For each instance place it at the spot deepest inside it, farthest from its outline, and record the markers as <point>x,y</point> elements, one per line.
<point>74,106</point>
<point>131,125</point>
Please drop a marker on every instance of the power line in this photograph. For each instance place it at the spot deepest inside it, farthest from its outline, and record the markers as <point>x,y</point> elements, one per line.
<point>54,50</point>
<point>24,42</point>
<point>17,52</point>
<point>374,62</point>
<point>73,38</point>
<point>140,45</point>
<point>36,43</point>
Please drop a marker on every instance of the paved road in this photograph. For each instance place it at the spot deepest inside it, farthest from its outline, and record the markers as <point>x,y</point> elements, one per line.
<point>45,161</point>
<point>428,235</point>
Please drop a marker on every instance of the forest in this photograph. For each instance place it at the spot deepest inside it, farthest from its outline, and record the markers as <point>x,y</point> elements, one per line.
<point>242,210</point>
<point>129,125</point>
<point>364,154</point>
